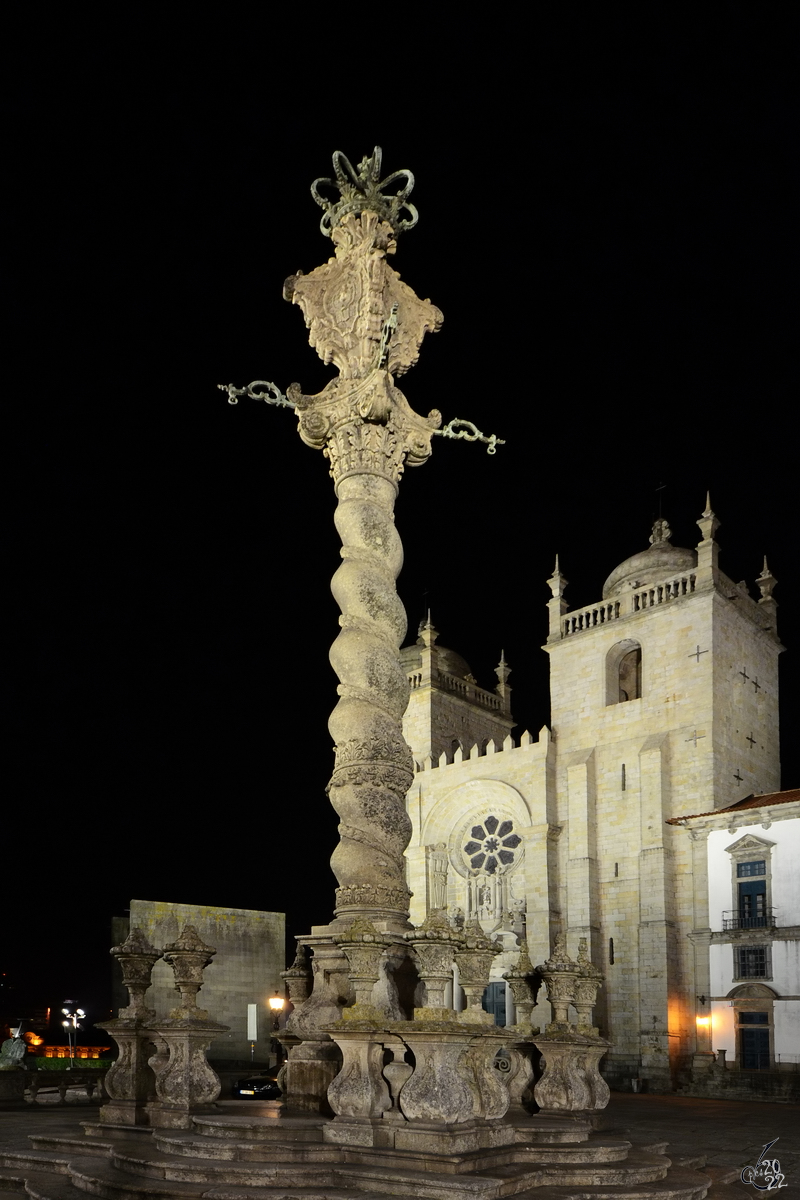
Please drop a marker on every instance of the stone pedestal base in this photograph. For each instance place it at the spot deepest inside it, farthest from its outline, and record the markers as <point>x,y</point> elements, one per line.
<point>130,1081</point>
<point>419,1137</point>
<point>310,1070</point>
<point>571,1081</point>
<point>185,1083</point>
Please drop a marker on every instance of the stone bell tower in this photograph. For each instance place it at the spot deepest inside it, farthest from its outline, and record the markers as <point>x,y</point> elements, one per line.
<point>447,710</point>
<point>664,701</point>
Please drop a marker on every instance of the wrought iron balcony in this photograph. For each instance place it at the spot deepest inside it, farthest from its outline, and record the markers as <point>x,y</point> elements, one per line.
<point>731,919</point>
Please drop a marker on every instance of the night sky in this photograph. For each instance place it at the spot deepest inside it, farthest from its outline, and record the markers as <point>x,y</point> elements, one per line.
<point>607,221</point>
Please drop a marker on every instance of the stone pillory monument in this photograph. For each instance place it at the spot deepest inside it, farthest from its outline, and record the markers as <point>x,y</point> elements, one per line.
<point>388,1089</point>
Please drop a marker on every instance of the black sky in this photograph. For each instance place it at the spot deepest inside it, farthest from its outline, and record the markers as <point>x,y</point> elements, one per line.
<point>607,220</point>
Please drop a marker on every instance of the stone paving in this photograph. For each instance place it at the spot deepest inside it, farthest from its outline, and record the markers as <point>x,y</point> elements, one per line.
<point>727,1132</point>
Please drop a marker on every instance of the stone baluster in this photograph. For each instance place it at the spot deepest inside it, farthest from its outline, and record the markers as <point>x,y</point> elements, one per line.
<point>185,1082</point>
<point>521,1049</point>
<point>571,1081</point>
<point>130,1081</point>
<point>314,1059</point>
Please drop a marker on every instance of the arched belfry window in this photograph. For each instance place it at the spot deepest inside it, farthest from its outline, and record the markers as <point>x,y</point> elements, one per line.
<point>624,672</point>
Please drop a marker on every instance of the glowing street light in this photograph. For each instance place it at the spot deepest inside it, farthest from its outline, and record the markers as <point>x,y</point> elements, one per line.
<point>276,1004</point>
<point>73,1017</point>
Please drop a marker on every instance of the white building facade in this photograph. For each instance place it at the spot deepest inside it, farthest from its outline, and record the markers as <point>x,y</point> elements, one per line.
<point>747,944</point>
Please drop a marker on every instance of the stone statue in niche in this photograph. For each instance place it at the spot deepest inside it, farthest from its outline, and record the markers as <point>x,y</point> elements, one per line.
<point>437,875</point>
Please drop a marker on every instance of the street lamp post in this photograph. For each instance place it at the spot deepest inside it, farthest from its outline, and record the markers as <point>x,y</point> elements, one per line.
<point>71,1022</point>
<point>276,1006</point>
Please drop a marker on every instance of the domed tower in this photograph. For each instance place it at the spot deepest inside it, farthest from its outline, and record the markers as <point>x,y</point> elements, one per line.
<point>664,701</point>
<point>447,710</point>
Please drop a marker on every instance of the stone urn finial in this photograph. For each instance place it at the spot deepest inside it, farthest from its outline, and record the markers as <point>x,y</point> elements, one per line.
<point>188,956</point>
<point>560,974</point>
<point>299,977</point>
<point>435,943</point>
<point>519,980</point>
<point>587,985</point>
<point>474,961</point>
<point>136,958</point>
<point>363,946</point>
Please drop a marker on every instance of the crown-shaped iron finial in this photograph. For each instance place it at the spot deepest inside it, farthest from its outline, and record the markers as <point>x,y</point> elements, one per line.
<point>364,189</point>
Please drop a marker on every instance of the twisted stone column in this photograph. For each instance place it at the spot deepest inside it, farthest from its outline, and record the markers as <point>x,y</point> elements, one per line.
<point>367,322</point>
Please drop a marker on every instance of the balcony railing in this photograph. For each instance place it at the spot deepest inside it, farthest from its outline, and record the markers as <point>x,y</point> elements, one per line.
<point>731,919</point>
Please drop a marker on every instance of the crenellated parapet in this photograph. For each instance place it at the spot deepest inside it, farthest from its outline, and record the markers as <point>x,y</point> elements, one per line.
<point>488,749</point>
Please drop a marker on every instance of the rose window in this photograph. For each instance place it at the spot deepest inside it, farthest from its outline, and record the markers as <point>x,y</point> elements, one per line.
<point>492,845</point>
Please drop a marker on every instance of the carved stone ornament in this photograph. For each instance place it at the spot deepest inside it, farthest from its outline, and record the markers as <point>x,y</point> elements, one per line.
<point>364,948</point>
<point>560,973</point>
<point>435,943</point>
<point>136,958</point>
<point>519,980</point>
<point>474,961</point>
<point>188,956</point>
<point>298,977</point>
<point>587,985</point>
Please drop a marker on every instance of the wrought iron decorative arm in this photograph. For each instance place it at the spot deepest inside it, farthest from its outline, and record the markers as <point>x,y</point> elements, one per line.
<point>470,433</point>
<point>273,394</point>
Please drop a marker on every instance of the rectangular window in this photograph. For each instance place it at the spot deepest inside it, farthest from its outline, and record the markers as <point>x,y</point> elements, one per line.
<point>753,1018</point>
<point>752,962</point>
<point>751,868</point>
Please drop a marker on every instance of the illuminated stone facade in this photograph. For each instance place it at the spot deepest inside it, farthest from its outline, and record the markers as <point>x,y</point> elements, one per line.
<point>664,701</point>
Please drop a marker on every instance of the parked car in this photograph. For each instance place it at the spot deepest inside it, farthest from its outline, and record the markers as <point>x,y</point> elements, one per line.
<point>262,1086</point>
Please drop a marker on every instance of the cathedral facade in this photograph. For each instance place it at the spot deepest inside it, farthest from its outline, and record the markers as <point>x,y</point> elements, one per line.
<point>664,703</point>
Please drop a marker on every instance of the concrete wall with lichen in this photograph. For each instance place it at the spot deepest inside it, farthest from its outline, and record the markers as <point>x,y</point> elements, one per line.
<point>245,969</point>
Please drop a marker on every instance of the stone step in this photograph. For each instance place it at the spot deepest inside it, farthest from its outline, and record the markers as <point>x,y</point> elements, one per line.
<point>599,1149</point>
<point>186,1145</point>
<point>725,1174</point>
<point>351,1182</point>
<point>40,1186</point>
<point>555,1129</point>
<point>157,1166</point>
<point>638,1167</point>
<point>679,1184</point>
<point>77,1147</point>
<point>12,1181</point>
<point>33,1160</point>
<point>281,1129</point>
